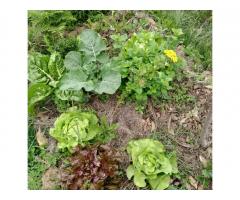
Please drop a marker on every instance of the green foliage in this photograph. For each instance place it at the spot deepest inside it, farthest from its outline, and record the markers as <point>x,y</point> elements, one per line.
<point>90,68</point>
<point>46,28</point>
<point>36,93</point>
<point>64,45</point>
<point>197,32</point>
<point>89,15</point>
<point>205,178</point>
<point>44,73</point>
<point>92,168</point>
<point>150,163</point>
<point>44,68</point>
<point>149,66</point>
<point>75,128</point>
<point>39,160</point>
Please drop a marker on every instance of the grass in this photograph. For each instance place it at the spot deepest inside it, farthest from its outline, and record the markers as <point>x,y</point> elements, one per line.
<point>197,29</point>
<point>39,160</point>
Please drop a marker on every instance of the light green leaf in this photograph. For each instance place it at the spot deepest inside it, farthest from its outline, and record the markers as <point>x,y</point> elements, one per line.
<point>139,179</point>
<point>55,66</point>
<point>36,93</point>
<point>38,68</point>
<point>166,166</point>
<point>73,80</point>
<point>73,60</point>
<point>130,171</point>
<point>91,43</point>
<point>161,182</point>
<point>173,161</point>
<point>71,95</point>
<point>177,31</point>
<point>45,69</point>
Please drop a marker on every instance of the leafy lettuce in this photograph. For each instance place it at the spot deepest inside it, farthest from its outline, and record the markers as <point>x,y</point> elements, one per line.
<point>75,128</point>
<point>150,163</point>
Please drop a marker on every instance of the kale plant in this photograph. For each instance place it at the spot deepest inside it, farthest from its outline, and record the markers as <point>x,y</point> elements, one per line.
<point>90,68</point>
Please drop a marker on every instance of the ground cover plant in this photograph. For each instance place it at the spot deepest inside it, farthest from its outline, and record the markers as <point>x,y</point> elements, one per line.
<point>119,100</point>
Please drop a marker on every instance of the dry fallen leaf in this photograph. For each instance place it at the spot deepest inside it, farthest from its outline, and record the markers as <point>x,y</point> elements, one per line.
<point>189,187</point>
<point>200,187</point>
<point>183,121</point>
<point>41,138</point>
<point>203,161</point>
<point>209,87</point>
<point>43,116</point>
<point>51,178</point>
<point>194,113</point>
<point>170,129</point>
<point>153,126</point>
<point>193,182</point>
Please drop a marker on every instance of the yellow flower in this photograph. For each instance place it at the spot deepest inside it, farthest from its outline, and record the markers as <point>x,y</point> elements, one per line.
<point>171,54</point>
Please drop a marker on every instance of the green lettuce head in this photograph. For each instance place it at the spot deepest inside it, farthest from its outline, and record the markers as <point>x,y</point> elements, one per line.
<point>150,163</point>
<point>75,128</point>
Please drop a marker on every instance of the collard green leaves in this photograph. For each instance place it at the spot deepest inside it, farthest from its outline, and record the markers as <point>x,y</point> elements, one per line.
<point>73,60</point>
<point>150,163</point>
<point>74,80</point>
<point>90,68</point>
<point>91,43</point>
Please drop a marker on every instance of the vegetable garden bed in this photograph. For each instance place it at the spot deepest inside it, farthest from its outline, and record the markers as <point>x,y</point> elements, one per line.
<point>119,100</point>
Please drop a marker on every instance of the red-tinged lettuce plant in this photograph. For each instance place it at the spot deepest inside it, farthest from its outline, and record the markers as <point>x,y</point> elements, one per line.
<point>93,168</point>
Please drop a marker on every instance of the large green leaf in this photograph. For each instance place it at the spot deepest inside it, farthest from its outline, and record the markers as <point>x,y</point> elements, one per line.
<point>73,60</point>
<point>111,80</point>
<point>91,43</point>
<point>44,68</point>
<point>139,179</point>
<point>166,166</point>
<point>130,171</point>
<point>161,182</point>
<point>38,68</point>
<point>55,65</point>
<point>37,92</point>
<point>71,95</point>
<point>73,80</point>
